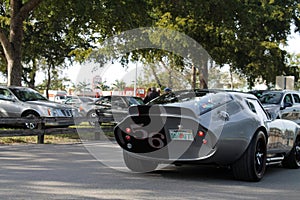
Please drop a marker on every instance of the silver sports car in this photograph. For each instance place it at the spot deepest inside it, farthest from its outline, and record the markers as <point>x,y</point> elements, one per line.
<point>224,128</point>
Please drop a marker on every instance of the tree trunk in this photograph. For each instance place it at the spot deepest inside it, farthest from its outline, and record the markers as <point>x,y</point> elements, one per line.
<point>12,43</point>
<point>170,73</point>
<point>14,67</point>
<point>231,78</point>
<point>32,74</point>
<point>203,73</point>
<point>48,81</point>
<point>152,66</point>
<point>193,77</point>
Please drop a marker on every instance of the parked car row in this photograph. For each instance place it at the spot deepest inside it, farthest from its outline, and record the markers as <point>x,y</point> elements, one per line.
<point>28,103</point>
<point>108,109</point>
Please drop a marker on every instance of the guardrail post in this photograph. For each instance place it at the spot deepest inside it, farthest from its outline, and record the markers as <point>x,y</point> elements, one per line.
<point>41,133</point>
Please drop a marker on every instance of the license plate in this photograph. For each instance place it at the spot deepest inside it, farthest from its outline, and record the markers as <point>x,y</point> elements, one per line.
<point>182,134</point>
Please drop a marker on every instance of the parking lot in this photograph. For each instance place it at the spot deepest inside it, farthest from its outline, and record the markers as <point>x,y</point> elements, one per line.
<point>70,171</point>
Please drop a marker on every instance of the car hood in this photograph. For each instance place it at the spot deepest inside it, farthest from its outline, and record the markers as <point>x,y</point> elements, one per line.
<point>48,104</point>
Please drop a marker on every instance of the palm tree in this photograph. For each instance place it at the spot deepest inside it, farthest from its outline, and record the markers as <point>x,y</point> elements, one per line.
<point>119,85</point>
<point>102,86</point>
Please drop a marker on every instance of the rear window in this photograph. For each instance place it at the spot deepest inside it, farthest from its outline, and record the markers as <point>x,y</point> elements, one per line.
<point>202,100</point>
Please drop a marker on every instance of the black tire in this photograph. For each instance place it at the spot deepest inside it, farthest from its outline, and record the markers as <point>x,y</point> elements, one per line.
<point>292,160</point>
<point>139,165</point>
<point>92,115</point>
<point>252,165</point>
<point>31,115</point>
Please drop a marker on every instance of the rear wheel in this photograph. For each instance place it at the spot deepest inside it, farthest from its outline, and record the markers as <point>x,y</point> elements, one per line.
<point>252,165</point>
<point>292,160</point>
<point>139,165</point>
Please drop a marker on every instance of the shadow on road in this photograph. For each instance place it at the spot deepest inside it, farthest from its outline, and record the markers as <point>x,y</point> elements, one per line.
<point>71,172</point>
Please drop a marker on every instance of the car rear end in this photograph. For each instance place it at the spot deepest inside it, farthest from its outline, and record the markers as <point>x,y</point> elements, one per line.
<point>165,133</point>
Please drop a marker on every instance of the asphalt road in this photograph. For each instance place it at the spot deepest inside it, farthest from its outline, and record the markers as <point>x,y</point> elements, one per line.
<point>70,171</point>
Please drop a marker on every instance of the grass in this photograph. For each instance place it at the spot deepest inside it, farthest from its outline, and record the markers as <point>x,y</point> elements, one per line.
<point>48,139</point>
<point>54,139</point>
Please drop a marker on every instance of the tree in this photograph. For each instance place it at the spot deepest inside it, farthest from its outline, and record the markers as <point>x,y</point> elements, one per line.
<point>82,87</point>
<point>11,40</point>
<point>56,84</point>
<point>245,34</point>
<point>52,33</point>
<point>102,86</point>
<point>119,85</point>
<point>55,35</point>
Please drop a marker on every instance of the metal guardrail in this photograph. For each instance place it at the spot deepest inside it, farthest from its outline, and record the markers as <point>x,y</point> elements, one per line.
<point>17,127</point>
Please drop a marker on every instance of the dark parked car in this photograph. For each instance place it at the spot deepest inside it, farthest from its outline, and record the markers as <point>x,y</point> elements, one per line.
<point>282,104</point>
<point>26,102</point>
<point>84,105</point>
<point>208,127</point>
<point>113,109</point>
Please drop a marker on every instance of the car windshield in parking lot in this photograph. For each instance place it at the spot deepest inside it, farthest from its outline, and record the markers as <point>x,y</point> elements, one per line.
<point>271,98</point>
<point>27,94</point>
<point>135,101</point>
<point>86,99</point>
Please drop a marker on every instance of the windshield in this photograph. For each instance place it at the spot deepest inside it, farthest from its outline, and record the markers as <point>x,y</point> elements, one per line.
<point>86,99</point>
<point>135,101</point>
<point>27,94</point>
<point>271,98</point>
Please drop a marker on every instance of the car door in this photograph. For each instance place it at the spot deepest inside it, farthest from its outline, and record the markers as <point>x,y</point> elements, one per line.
<point>276,128</point>
<point>296,107</point>
<point>9,105</point>
<point>119,108</point>
<point>276,140</point>
<point>104,108</point>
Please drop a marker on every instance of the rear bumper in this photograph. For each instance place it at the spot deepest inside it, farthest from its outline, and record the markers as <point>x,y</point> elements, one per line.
<point>152,141</point>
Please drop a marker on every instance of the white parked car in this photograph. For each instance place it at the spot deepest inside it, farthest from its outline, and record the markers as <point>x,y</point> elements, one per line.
<point>282,104</point>
<point>25,102</point>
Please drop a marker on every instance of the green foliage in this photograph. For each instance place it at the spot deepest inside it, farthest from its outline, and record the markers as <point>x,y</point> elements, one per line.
<point>246,34</point>
<point>102,86</point>
<point>119,85</point>
<point>56,83</point>
<point>82,86</point>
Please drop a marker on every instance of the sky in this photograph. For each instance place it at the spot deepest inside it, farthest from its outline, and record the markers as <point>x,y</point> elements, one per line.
<point>109,73</point>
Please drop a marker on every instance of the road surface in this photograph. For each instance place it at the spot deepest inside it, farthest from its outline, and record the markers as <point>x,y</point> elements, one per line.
<point>70,171</point>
